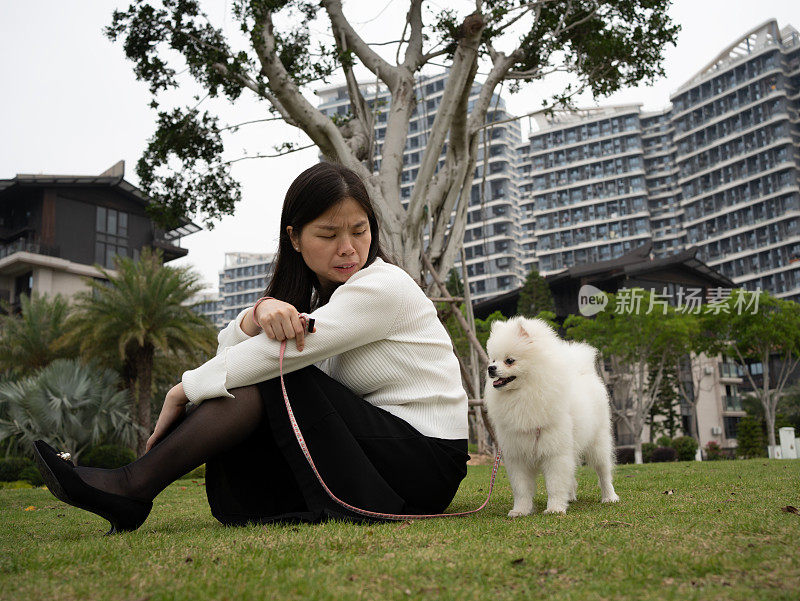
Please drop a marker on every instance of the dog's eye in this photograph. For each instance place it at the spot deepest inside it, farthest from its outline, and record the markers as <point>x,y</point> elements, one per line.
<point>509,361</point>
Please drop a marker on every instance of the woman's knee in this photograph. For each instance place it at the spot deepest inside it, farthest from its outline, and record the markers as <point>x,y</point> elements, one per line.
<point>247,397</point>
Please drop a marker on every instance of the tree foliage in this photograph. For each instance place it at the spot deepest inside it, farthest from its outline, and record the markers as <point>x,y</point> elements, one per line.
<point>604,45</point>
<point>33,338</point>
<point>750,438</point>
<point>535,296</point>
<point>640,342</point>
<point>748,331</point>
<point>664,416</point>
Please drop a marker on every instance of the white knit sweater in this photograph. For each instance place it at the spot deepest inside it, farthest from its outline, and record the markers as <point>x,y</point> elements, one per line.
<point>379,335</point>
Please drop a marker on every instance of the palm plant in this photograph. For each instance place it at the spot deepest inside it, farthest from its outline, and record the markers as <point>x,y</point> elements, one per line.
<point>141,311</point>
<point>70,405</point>
<point>33,338</point>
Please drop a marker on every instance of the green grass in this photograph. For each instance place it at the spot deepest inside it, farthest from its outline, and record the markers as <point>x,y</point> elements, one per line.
<point>720,535</point>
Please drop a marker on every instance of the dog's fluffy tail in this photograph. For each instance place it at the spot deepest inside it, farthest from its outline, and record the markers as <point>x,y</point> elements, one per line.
<point>582,357</point>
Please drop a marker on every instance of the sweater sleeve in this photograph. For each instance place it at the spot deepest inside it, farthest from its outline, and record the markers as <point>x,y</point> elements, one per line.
<point>362,310</point>
<point>232,334</point>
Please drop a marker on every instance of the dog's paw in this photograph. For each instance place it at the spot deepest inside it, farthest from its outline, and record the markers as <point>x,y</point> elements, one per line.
<point>515,513</point>
<point>556,511</point>
<point>612,499</point>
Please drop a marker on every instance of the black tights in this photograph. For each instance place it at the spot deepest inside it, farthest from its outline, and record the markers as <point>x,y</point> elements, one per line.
<point>213,426</point>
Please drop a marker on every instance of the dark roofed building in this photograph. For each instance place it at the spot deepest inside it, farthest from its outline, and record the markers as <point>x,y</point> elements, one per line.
<point>635,268</point>
<point>55,228</point>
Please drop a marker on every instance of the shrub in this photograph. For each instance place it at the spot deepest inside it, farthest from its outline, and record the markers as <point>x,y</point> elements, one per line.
<point>108,456</point>
<point>664,441</point>
<point>714,451</point>
<point>662,454</point>
<point>69,405</point>
<point>647,451</point>
<point>196,474</point>
<point>625,455</point>
<point>16,484</point>
<point>32,475</point>
<point>11,467</point>
<point>685,447</point>
<point>750,439</point>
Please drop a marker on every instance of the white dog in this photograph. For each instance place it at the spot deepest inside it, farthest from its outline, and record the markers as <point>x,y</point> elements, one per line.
<point>549,407</point>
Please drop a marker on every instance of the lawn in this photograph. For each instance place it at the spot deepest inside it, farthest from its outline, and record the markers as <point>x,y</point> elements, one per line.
<point>713,530</point>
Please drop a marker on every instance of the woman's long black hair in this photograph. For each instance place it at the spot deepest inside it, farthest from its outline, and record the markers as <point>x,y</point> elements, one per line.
<point>313,192</point>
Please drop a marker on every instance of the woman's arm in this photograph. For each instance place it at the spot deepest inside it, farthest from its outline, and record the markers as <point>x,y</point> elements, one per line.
<point>363,310</point>
<point>277,319</point>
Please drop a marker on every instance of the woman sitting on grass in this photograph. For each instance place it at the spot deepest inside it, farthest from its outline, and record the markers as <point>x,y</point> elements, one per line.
<point>375,388</point>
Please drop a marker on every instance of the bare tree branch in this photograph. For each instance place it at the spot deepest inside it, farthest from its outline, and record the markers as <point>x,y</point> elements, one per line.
<point>370,59</point>
<point>357,102</point>
<point>413,58</point>
<point>426,58</point>
<point>500,67</point>
<point>526,8</point>
<point>317,126</point>
<point>461,76</point>
<point>269,156</point>
<point>259,90</point>
<point>238,125</point>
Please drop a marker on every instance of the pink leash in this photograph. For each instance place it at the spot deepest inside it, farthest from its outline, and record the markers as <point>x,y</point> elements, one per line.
<point>365,512</point>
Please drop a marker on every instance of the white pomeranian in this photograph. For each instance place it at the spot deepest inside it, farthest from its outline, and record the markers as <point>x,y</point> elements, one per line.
<point>549,407</point>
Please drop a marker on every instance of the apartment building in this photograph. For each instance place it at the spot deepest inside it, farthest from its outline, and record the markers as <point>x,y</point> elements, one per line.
<point>582,185</point>
<point>242,281</point>
<point>736,136</point>
<point>717,169</point>
<point>491,240</point>
<point>661,179</point>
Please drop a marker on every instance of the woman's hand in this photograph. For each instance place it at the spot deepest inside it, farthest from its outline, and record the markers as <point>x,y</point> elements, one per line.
<point>173,409</point>
<point>278,320</point>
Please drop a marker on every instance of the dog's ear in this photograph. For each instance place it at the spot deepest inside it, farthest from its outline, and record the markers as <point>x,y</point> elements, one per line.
<point>522,331</point>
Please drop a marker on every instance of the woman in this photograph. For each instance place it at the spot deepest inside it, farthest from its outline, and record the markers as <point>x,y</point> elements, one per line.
<point>375,388</point>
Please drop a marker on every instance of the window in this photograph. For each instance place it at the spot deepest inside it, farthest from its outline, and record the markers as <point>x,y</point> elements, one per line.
<point>111,236</point>
<point>731,426</point>
<point>756,368</point>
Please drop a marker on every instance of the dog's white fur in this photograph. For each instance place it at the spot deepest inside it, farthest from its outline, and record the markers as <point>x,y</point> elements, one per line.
<point>556,389</point>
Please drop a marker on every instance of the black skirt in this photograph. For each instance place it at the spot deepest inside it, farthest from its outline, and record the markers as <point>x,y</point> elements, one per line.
<point>368,457</point>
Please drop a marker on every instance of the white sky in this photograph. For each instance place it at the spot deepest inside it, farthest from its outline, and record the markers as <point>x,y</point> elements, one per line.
<point>71,104</point>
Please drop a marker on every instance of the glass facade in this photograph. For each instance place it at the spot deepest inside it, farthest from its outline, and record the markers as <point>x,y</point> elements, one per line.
<point>111,236</point>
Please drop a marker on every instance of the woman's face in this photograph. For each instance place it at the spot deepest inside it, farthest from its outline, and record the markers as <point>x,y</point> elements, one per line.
<point>335,245</point>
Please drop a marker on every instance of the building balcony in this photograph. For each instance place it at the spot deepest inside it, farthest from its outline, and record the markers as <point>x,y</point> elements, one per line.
<point>732,403</point>
<point>30,247</point>
<point>167,246</point>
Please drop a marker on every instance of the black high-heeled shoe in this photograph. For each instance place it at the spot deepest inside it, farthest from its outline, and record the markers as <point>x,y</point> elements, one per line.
<point>124,513</point>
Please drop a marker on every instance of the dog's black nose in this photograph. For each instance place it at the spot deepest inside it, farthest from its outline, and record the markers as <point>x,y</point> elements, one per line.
<point>492,370</point>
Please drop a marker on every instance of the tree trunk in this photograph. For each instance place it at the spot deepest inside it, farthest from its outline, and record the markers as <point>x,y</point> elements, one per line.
<point>637,451</point>
<point>695,428</point>
<point>769,417</point>
<point>144,393</point>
